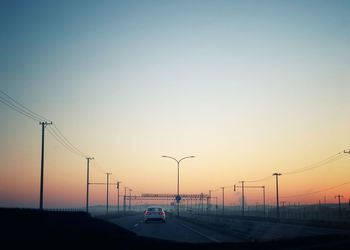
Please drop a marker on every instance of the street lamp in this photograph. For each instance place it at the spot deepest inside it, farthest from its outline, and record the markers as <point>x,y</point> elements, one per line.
<point>178,179</point>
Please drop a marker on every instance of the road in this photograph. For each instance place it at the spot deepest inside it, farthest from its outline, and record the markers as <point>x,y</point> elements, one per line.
<point>176,229</point>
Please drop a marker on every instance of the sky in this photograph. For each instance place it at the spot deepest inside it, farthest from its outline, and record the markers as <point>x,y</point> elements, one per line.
<point>248,87</point>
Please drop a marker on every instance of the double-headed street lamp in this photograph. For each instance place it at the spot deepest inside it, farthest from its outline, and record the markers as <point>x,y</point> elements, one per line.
<point>178,179</point>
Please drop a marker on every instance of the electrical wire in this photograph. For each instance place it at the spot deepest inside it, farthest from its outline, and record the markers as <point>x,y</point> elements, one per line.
<point>262,179</point>
<point>319,191</point>
<point>24,107</point>
<point>99,167</point>
<point>19,110</point>
<point>63,143</point>
<point>54,130</point>
<point>318,164</point>
<point>68,142</point>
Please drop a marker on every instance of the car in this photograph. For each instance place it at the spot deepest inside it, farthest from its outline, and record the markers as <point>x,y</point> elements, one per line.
<point>154,214</point>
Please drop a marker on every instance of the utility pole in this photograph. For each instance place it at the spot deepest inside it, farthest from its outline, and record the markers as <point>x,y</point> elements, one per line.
<point>242,197</point>
<point>130,199</point>
<point>339,197</point>
<point>277,200</point>
<point>108,174</point>
<point>263,187</point>
<point>209,201</point>
<point>202,204</point>
<point>223,200</point>
<point>87,182</point>
<point>125,188</point>
<point>118,182</point>
<point>43,126</point>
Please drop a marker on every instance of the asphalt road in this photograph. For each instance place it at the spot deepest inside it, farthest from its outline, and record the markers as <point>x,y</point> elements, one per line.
<point>176,229</point>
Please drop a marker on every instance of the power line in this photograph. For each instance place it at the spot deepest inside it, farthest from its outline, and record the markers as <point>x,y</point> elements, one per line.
<point>54,131</point>
<point>318,164</point>
<point>99,167</point>
<point>59,131</point>
<point>25,108</point>
<point>60,134</point>
<point>262,179</point>
<point>319,191</point>
<point>17,109</point>
<point>63,143</point>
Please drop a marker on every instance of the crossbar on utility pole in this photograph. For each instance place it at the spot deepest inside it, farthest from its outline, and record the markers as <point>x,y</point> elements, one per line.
<point>43,126</point>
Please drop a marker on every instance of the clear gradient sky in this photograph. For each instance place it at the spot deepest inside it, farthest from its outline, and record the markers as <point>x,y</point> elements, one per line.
<point>248,87</point>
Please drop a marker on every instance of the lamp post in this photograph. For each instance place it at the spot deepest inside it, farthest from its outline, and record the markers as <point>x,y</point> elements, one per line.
<point>178,179</point>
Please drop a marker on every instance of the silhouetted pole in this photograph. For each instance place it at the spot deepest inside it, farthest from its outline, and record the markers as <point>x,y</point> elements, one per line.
<point>88,182</point>
<point>202,204</point>
<point>125,188</point>
<point>118,182</point>
<point>242,197</point>
<point>178,179</point>
<point>130,199</point>
<point>223,200</point>
<point>277,198</point>
<point>209,201</point>
<point>43,125</point>
<point>108,174</point>
<point>263,187</point>
<point>339,197</point>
